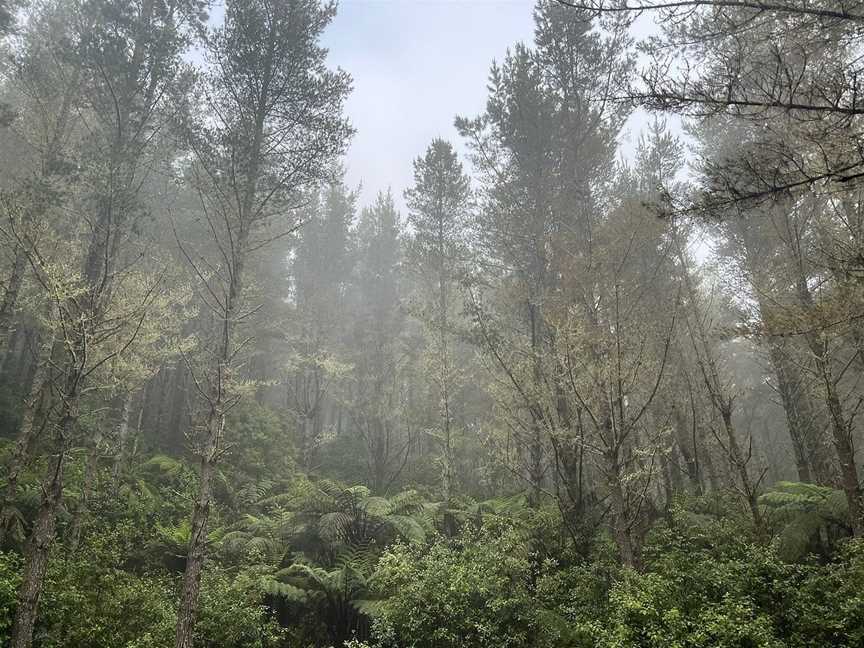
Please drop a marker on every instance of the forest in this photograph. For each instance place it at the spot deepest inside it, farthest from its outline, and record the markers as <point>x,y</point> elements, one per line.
<point>552,395</point>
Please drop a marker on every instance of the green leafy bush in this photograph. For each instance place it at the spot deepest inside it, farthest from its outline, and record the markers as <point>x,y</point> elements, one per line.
<point>703,589</point>
<point>10,567</point>
<point>93,604</point>
<point>474,590</point>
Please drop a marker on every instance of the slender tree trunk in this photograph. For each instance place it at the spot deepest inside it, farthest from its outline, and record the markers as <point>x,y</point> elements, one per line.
<point>44,530</point>
<point>307,439</point>
<point>10,294</point>
<point>535,462</point>
<point>674,470</point>
<point>710,471</point>
<point>214,429</point>
<point>795,404</point>
<point>123,435</point>
<point>621,526</point>
<point>82,510</point>
<point>447,458</point>
<point>686,443</point>
<point>668,470</point>
<point>801,418</point>
<point>184,635</point>
<point>535,441</point>
<point>569,455</point>
<point>739,464</point>
<point>447,472</point>
<point>840,428</point>
<point>27,433</point>
<point>842,436</point>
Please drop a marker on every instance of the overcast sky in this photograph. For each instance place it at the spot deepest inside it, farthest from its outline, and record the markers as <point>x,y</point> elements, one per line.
<point>417,64</point>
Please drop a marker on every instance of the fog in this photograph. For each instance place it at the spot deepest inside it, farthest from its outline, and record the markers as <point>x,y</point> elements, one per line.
<point>430,324</point>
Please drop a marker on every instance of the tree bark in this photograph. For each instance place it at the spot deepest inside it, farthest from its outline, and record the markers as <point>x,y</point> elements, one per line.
<point>842,437</point>
<point>44,530</point>
<point>10,294</point>
<point>685,439</point>
<point>27,434</point>
<point>447,472</point>
<point>214,429</point>
<point>184,634</point>
<point>840,428</point>
<point>82,510</point>
<point>622,528</point>
<point>123,436</point>
<point>535,440</point>
<point>805,425</point>
<point>739,464</point>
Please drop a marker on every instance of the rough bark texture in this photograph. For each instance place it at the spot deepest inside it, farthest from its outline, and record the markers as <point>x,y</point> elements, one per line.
<point>213,430</point>
<point>44,530</point>
<point>185,631</point>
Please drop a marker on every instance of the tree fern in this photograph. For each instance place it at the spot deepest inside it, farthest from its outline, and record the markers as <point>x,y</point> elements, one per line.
<point>164,466</point>
<point>805,511</point>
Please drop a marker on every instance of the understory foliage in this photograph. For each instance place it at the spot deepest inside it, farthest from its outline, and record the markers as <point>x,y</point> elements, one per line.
<point>704,583</point>
<point>324,564</point>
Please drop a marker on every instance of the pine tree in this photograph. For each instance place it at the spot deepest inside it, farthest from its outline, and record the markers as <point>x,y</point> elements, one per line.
<point>438,206</point>
<point>277,131</point>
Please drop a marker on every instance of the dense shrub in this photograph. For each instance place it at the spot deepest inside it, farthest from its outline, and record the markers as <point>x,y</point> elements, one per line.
<point>474,590</point>
<point>93,604</point>
<point>705,586</point>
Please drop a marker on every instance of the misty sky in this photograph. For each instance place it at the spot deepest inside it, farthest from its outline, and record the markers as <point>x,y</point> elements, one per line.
<point>416,64</point>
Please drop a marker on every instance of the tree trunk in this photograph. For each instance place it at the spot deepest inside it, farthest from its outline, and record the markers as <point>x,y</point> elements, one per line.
<point>667,470</point>
<point>186,617</point>
<point>10,294</point>
<point>82,510</point>
<point>307,439</point>
<point>535,441</point>
<point>799,413</point>
<point>721,400</point>
<point>840,428</point>
<point>447,472</point>
<point>621,526</point>
<point>44,529</point>
<point>214,429</point>
<point>739,464</point>
<point>686,443</point>
<point>27,433</point>
<point>674,471</point>
<point>842,437</point>
<point>123,436</point>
